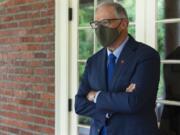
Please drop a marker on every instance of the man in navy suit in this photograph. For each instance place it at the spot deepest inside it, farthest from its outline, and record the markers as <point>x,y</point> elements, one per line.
<point>120,82</point>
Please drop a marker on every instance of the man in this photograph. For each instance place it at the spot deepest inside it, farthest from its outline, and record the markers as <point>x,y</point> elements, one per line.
<point>120,82</point>
<point>170,120</point>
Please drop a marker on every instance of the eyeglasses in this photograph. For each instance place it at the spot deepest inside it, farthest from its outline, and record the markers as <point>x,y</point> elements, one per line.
<point>105,22</point>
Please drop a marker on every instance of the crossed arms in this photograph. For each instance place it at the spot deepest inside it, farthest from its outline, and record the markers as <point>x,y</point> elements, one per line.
<point>142,89</point>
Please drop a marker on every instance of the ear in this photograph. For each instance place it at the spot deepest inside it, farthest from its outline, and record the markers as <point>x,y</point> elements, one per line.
<point>124,24</point>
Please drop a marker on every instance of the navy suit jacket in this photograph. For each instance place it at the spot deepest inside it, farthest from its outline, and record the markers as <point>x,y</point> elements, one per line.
<point>132,113</point>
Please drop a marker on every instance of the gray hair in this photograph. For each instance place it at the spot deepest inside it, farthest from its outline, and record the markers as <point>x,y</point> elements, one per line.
<point>119,9</point>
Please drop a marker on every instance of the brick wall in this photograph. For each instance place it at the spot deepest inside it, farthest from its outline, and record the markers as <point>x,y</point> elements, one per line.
<point>27,67</point>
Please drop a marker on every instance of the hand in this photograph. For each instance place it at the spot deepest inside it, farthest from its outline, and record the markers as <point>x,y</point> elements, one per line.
<point>91,95</point>
<point>131,87</point>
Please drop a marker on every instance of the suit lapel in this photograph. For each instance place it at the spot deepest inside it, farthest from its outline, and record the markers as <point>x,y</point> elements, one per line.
<point>122,62</point>
<point>102,66</point>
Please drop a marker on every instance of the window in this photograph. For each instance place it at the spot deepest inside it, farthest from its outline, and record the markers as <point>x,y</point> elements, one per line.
<point>155,22</point>
<point>168,32</point>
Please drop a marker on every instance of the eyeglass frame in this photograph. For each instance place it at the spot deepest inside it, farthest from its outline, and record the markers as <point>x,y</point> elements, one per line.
<point>100,22</point>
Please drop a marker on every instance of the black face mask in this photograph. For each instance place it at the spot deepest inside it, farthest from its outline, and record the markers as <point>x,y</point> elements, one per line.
<point>106,36</point>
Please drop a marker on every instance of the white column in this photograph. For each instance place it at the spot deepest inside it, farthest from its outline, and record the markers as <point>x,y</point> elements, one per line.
<point>61,67</point>
<point>73,39</point>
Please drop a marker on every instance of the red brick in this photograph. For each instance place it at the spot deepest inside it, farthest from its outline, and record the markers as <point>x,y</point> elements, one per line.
<point>12,10</point>
<point>39,87</point>
<point>27,29</point>
<point>51,4</point>
<point>48,130</point>
<point>40,55</point>
<point>9,129</point>
<point>51,123</point>
<point>7,18</point>
<point>24,102</point>
<point>41,71</point>
<point>38,6</point>
<point>26,133</point>
<point>8,3</point>
<point>25,8</point>
<point>49,12</point>
<point>26,24</point>
<point>51,89</point>
<point>22,1</point>
<point>47,96</point>
<point>40,104</point>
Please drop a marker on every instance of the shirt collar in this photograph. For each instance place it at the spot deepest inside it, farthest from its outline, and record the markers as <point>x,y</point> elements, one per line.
<point>118,50</point>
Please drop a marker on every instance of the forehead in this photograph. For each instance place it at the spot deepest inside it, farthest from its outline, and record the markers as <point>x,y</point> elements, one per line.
<point>105,12</point>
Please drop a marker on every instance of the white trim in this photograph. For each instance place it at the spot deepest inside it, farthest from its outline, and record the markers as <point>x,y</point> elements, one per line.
<point>84,27</point>
<point>168,102</point>
<point>83,126</point>
<point>139,20</point>
<point>82,61</point>
<point>169,21</point>
<point>73,38</point>
<point>61,67</point>
<point>170,61</point>
<point>132,23</point>
<point>151,10</point>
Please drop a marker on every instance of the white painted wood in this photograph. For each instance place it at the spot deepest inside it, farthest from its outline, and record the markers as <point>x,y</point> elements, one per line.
<point>140,20</point>
<point>151,23</point>
<point>169,102</point>
<point>73,83</point>
<point>177,20</point>
<point>61,67</point>
<point>170,61</point>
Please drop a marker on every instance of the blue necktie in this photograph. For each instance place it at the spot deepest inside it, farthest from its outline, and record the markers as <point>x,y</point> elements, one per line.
<point>110,70</point>
<point>111,67</point>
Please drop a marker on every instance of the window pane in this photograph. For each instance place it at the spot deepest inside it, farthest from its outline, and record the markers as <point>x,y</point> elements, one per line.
<point>81,67</point>
<point>83,131</point>
<point>161,40</point>
<point>131,30</point>
<point>129,5</point>
<point>84,120</point>
<point>86,12</point>
<point>168,9</point>
<point>161,84</point>
<point>167,38</point>
<point>98,46</point>
<point>86,40</point>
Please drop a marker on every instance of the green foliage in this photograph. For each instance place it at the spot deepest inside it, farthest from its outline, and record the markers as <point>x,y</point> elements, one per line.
<point>86,14</point>
<point>130,8</point>
<point>84,120</point>
<point>81,67</point>
<point>131,30</point>
<point>2,0</point>
<point>161,44</point>
<point>161,8</point>
<point>86,39</point>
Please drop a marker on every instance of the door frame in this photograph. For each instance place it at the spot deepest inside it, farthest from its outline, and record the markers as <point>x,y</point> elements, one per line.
<point>66,42</point>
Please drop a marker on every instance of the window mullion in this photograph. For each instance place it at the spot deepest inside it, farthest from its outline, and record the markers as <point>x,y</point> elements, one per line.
<point>150,21</point>
<point>140,20</point>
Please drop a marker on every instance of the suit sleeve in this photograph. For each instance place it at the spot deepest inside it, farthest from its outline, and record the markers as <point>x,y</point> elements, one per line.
<point>146,78</point>
<point>82,105</point>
